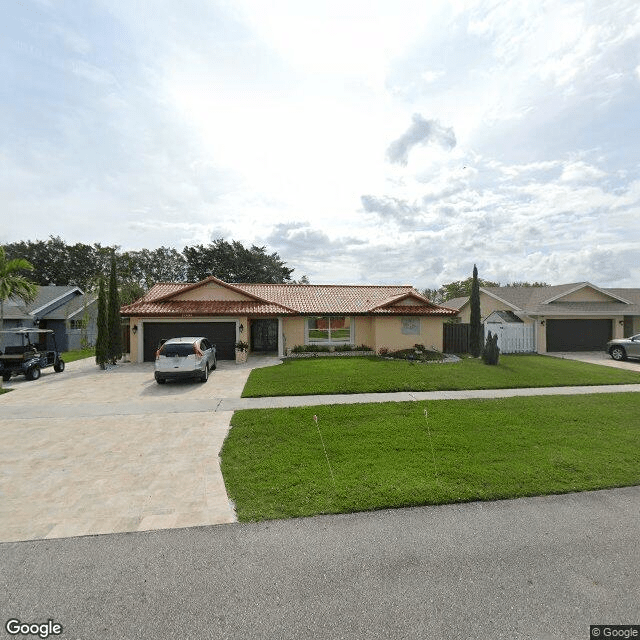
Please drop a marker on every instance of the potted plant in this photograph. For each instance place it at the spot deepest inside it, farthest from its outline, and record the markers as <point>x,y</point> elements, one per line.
<point>242,349</point>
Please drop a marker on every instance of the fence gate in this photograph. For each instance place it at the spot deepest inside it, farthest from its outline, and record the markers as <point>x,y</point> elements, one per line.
<point>513,338</point>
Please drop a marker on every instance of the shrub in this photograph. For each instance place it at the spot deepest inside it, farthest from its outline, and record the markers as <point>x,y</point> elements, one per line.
<point>310,348</point>
<point>383,351</point>
<point>491,351</point>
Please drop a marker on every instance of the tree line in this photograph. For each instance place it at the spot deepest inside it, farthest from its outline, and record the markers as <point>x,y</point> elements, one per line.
<point>463,288</point>
<point>56,262</point>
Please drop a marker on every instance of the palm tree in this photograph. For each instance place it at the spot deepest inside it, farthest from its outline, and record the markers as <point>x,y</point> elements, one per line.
<point>13,284</point>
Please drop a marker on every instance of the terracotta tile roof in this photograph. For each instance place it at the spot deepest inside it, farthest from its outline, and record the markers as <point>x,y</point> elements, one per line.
<point>414,310</point>
<point>288,299</point>
<point>187,308</point>
<point>341,299</point>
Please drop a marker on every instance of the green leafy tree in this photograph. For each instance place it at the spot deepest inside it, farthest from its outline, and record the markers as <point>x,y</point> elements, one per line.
<point>13,284</point>
<point>114,328</point>
<point>55,262</point>
<point>457,289</point>
<point>475,335</point>
<point>102,350</point>
<point>233,262</point>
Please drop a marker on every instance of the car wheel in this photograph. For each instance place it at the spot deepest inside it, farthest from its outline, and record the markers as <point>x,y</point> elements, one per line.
<point>205,375</point>
<point>6,377</point>
<point>33,373</point>
<point>58,367</point>
<point>215,364</point>
<point>618,353</point>
<point>160,380</point>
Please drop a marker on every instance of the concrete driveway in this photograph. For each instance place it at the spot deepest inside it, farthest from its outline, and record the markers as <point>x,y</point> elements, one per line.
<point>91,451</point>
<point>598,357</point>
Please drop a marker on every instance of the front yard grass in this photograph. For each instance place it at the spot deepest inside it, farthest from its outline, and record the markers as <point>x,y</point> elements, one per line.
<point>78,354</point>
<point>371,375</point>
<point>392,455</point>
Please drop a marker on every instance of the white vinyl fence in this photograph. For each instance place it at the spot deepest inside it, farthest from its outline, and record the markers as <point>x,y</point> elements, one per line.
<point>513,338</point>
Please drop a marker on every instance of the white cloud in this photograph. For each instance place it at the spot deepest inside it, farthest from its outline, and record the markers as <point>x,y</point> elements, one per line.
<point>232,117</point>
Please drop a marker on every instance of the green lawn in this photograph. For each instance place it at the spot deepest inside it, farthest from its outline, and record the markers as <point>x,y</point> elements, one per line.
<point>79,354</point>
<point>362,375</point>
<point>391,455</point>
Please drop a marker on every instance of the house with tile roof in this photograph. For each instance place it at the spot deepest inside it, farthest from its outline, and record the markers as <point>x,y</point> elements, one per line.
<point>578,316</point>
<point>277,317</point>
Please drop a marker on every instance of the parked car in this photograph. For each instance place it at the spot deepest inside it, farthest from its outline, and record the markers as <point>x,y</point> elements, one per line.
<point>185,358</point>
<point>623,348</point>
<point>29,358</point>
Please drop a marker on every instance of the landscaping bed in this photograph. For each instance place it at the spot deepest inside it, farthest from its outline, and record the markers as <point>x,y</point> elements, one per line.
<point>376,375</point>
<point>278,463</point>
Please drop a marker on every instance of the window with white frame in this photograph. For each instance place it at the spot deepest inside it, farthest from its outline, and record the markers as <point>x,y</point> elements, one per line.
<point>329,330</point>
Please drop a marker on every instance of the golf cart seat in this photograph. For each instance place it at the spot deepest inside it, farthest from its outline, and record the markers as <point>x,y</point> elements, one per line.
<point>14,350</point>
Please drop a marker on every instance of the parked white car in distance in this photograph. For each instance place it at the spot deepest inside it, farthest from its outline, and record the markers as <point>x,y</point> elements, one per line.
<point>180,358</point>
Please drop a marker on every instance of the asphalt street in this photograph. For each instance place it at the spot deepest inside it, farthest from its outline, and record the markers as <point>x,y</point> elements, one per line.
<point>538,568</point>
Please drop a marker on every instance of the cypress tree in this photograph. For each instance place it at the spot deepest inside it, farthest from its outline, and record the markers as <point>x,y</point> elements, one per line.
<point>102,355</point>
<point>114,329</point>
<point>475,337</point>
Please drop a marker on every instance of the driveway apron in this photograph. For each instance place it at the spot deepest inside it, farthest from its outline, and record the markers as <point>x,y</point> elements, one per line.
<point>89,451</point>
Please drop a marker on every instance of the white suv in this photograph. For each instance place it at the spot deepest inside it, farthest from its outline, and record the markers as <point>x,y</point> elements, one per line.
<point>185,358</point>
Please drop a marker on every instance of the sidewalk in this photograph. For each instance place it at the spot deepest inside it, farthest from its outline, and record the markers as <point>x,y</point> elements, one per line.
<point>274,402</point>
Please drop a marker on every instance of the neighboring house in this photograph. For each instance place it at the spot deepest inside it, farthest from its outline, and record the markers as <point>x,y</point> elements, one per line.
<point>567,317</point>
<point>66,310</point>
<point>277,317</point>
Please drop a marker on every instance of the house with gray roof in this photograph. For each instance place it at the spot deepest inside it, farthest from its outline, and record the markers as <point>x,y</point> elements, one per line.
<point>67,310</point>
<point>579,316</point>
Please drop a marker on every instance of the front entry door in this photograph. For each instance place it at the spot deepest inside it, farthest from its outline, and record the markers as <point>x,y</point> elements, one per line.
<point>264,335</point>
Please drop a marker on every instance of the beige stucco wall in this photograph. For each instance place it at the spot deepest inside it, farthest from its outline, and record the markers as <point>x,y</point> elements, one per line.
<point>134,337</point>
<point>387,332</point>
<point>293,331</point>
<point>364,331</point>
<point>211,291</point>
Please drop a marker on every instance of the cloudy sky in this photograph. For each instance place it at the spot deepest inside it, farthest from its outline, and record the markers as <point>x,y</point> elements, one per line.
<point>366,141</point>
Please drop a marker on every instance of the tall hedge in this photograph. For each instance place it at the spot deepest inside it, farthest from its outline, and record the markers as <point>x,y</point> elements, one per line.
<point>475,336</point>
<point>114,328</point>
<point>102,351</point>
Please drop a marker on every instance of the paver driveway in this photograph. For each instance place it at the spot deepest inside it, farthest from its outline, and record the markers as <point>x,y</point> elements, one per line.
<point>90,451</point>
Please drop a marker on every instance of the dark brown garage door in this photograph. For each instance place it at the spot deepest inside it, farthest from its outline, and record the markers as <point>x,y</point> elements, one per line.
<point>222,334</point>
<point>578,335</point>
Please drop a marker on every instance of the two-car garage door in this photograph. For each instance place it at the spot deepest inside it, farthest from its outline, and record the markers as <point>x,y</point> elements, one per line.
<point>222,334</point>
<point>578,335</point>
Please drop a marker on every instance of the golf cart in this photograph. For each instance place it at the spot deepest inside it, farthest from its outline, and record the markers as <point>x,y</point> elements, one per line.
<point>28,359</point>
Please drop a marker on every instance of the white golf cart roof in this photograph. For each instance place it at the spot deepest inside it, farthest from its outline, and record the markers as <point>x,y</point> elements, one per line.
<point>22,331</point>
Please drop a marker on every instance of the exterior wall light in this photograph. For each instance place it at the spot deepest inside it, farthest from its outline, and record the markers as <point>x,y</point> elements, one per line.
<point>135,329</point>
<point>241,328</point>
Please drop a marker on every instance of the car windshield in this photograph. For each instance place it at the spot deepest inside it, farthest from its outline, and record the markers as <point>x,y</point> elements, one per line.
<point>176,349</point>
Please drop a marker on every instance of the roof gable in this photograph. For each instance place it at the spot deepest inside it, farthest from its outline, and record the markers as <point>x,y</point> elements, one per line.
<point>50,297</point>
<point>585,292</point>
